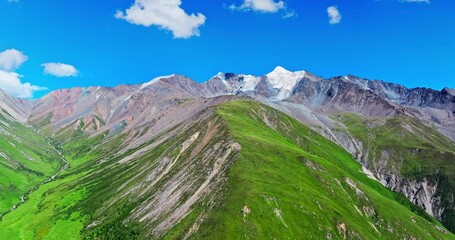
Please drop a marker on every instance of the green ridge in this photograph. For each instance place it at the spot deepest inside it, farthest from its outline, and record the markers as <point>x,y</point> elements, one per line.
<point>278,163</point>
<point>293,183</point>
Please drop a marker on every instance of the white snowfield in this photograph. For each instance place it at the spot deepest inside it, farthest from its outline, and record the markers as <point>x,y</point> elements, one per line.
<point>282,80</point>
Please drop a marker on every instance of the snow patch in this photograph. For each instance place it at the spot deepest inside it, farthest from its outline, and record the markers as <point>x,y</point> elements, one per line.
<point>220,75</point>
<point>284,81</point>
<point>250,82</point>
<point>156,80</point>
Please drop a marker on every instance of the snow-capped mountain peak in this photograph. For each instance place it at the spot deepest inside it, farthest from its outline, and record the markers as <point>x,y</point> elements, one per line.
<point>280,69</point>
<point>237,82</point>
<point>250,82</point>
<point>220,75</point>
<point>284,81</point>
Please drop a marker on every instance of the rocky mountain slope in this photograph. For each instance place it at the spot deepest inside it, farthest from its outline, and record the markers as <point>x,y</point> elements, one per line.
<point>171,157</point>
<point>234,170</point>
<point>424,116</point>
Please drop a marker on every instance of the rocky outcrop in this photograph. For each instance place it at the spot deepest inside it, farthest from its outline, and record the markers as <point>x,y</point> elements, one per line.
<point>422,193</point>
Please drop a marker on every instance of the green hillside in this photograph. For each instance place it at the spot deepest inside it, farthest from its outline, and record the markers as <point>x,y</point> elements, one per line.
<point>413,150</point>
<point>239,171</point>
<point>297,183</point>
<point>26,159</point>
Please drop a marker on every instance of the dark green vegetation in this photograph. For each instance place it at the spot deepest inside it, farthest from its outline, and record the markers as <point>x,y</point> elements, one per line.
<point>412,150</point>
<point>239,170</point>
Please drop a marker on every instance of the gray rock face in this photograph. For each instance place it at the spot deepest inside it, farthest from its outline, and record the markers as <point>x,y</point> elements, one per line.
<point>422,193</point>
<point>450,91</point>
<point>17,108</point>
<point>167,101</point>
<point>340,95</point>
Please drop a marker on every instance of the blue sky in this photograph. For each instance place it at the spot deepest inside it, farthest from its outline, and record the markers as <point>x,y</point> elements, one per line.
<point>411,43</point>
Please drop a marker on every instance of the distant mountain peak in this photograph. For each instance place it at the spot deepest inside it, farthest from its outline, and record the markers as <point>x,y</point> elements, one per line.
<point>450,91</point>
<point>280,69</point>
<point>156,80</point>
<point>225,76</point>
<point>219,75</point>
<point>284,80</point>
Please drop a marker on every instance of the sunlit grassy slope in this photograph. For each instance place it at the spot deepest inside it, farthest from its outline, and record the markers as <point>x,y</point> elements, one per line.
<point>287,182</point>
<point>26,159</point>
<point>298,184</point>
<point>414,150</point>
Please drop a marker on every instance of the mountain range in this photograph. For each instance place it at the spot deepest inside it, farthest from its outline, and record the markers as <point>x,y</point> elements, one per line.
<point>283,155</point>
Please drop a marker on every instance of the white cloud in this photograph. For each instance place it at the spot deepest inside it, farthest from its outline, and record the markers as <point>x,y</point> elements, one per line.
<point>165,14</point>
<point>265,6</point>
<point>11,59</point>
<point>60,69</point>
<point>290,14</point>
<point>10,81</point>
<point>334,15</point>
<point>12,84</point>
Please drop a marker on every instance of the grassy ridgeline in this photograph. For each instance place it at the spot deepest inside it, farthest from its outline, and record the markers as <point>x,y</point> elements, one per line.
<point>287,182</point>
<point>297,183</point>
